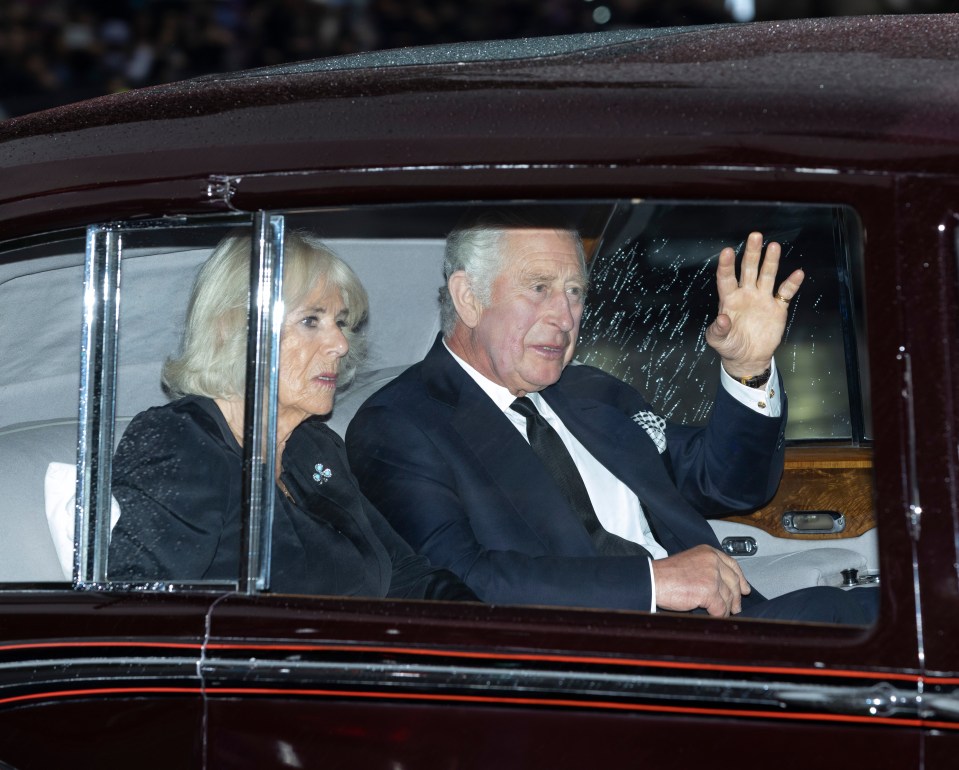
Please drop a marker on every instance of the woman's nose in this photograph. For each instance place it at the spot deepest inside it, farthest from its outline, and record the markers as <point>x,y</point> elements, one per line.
<point>339,344</point>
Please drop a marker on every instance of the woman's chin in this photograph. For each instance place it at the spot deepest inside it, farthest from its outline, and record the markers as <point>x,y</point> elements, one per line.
<point>324,410</point>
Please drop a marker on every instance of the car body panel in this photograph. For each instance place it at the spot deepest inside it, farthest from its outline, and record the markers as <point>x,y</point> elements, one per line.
<point>683,100</point>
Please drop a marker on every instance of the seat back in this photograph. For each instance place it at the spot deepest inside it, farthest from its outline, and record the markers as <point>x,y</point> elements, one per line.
<point>27,553</point>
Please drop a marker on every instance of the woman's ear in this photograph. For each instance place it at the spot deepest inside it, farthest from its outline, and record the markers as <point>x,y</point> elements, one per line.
<point>468,307</point>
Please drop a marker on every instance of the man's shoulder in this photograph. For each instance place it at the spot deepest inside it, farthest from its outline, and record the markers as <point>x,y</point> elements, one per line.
<point>576,372</point>
<point>583,381</point>
<point>408,386</point>
<point>435,379</point>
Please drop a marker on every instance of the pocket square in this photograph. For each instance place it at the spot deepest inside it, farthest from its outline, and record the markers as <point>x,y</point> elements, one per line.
<point>655,427</point>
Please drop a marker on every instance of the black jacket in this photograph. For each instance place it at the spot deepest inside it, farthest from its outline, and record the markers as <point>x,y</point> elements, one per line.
<point>177,476</point>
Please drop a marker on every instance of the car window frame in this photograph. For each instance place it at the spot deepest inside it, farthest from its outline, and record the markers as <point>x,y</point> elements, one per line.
<point>101,325</point>
<point>616,633</point>
<point>104,255</point>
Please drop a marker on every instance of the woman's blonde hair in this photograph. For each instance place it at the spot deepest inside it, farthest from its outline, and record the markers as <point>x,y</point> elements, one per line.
<point>212,358</point>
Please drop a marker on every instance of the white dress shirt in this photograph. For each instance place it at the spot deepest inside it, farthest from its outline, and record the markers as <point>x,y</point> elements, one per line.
<point>617,507</point>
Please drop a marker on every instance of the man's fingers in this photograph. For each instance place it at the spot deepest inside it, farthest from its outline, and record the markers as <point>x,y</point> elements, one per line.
<point>718,607</point>
<point>726,272</point>
<point>736,605</point>
<point>749,269</point>
<point>732,582</point>
<point>790,287</point>
<point>757,269</point>
<point>700,577</point>
<point>719,328</point>
<point>724,601</point>
<point>770,267</point>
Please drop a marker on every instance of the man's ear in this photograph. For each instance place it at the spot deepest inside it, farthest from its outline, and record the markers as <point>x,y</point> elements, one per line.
<point>468,307</point>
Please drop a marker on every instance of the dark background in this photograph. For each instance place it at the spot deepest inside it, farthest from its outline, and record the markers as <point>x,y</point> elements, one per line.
<point>54,52</point>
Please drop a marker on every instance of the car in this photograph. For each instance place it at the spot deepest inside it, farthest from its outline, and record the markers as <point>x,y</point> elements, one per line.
<point>836,138</point>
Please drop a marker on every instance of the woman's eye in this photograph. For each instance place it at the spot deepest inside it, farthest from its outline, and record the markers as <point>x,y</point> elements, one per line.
<point>341,323</point>
<point>311,321</point>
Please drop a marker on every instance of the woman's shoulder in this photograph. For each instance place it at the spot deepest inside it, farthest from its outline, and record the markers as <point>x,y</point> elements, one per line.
<point>195,418</point>
<point>315,430</point>
<point>313,439</point>
<point>186,409</point>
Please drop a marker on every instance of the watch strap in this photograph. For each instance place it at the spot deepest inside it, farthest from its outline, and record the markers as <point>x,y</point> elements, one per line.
<point>756,381</point>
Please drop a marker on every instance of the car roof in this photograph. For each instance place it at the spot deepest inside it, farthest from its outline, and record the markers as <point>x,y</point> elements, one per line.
<point>874,94</point>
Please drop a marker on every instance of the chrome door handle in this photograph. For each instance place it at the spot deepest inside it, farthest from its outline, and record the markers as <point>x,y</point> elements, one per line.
<point>813,522</point>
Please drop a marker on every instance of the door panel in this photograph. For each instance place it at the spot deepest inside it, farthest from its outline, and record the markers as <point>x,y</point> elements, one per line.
<point>332,733</point>
<point>821,478</point>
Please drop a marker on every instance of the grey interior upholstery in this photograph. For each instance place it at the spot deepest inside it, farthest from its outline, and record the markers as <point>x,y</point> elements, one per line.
<point>781,565</point>
<point>26,449</point>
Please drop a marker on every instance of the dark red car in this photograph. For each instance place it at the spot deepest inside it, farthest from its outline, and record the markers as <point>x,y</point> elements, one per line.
<point>836,138</point>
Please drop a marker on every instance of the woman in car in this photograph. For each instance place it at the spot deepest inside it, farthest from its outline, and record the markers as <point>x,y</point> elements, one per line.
<point>177,473</point>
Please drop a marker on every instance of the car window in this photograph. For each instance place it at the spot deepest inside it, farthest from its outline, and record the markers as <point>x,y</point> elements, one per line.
<point>651,296</point>
<point>156,497</point>
<point>41,307</point>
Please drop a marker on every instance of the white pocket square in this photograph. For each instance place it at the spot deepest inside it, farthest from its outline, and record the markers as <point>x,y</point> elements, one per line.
<point>655,427</point>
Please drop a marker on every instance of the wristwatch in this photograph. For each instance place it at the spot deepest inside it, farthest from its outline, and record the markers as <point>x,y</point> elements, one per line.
<point>758,381</point>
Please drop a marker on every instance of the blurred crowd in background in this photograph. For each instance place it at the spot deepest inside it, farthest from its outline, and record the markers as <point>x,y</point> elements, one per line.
<point>54,52</point>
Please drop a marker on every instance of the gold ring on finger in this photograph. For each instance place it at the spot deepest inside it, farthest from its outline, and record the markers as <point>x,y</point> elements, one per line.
<point>781,298</point>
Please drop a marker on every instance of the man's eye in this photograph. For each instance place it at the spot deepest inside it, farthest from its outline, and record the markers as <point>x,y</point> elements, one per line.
<point>539,288</point>
<point>576,292</point>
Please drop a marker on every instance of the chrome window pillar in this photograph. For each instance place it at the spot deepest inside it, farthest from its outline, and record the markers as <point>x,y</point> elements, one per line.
<point>98,361</point>
<point>97,414</point>
<point>259,429</point>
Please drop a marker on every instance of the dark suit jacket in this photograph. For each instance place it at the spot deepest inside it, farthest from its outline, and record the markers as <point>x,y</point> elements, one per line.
<point>177,476</point>
<point>462,486</point>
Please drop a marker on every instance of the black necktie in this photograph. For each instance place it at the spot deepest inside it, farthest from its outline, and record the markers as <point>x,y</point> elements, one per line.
<point>549,447</point>
<point>551,450</point>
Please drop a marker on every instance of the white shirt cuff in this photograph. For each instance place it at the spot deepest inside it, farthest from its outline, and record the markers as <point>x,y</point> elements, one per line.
<point>766,400</point>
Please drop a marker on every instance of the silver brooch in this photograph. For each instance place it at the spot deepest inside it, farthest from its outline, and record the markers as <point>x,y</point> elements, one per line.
<point>322,474</point>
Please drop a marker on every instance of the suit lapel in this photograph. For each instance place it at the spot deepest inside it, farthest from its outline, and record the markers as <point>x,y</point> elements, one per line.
<point>629,454</point>
<point>505,457</point>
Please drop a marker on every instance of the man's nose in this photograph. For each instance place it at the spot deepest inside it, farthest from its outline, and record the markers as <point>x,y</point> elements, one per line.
<point>561,311</point>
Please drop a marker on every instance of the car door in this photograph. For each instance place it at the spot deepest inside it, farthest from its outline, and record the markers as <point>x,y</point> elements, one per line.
<point>819,690</point>
<point>250,674</point>
<point>927,243</point>
<point>87,677</point>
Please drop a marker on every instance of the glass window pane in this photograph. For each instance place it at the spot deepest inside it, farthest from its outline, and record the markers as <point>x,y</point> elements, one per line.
<point>41,308</point>
<point>170,524</point>
<point>652,296</point>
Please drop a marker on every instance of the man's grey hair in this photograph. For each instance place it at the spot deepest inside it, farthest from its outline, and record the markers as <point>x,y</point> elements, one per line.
<point>476,248</point>
<point>212,357</point>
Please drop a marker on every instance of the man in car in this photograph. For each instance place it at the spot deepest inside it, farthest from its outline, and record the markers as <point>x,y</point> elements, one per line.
<point>541,482</point>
